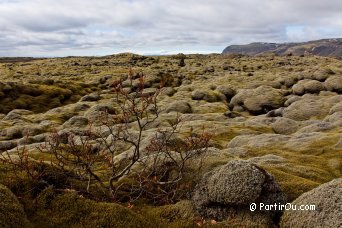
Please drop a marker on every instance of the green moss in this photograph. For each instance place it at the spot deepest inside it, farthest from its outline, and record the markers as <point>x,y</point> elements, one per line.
<point>293,186</point>
<point>11,212</point>
<point>180,214</point>
<point>41,97</point>
<point>223,137</point>
<point>302,170</point>
<point>71,210</point>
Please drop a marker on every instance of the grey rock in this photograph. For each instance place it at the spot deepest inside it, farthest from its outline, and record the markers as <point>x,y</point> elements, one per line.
<point>81,107</point>
<point>298,89</point>
<point>291,100</point>
<point>7,145</point>
<point>17,114</point>
<point>179,106</point>
<point>228,92</point>
<point>91,97</point>
<point>147,92</point>
<point>328,202</point>
<point>319,126</point>
<point>335,117</point>
<point>260,100</point>
<point>321,75</point>
<point>336,108</point>
<point>65,134</point>
<point>258,141</point>
<point>95,111</point>
<point>306,108</point>
<point>17,131</point>
<point>231,114</point>
<point>76,121</point>
<point>33,139</point>
<point>207,95</point>
<point>308,86</point>
<point>287,81</point>
<point>285,126</point>
<point>14,132</point>
<point>334,83</point>
<point>169,91</point>
<point>238,108</point>
<point>230,189</point>
<point>276,112</point>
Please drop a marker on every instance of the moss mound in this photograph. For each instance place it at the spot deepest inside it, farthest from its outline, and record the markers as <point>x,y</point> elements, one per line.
<point>71,210</point>
<point>326,200</point>
<point>11,211</point>
<point>39,97</point>
<point>176,215</point>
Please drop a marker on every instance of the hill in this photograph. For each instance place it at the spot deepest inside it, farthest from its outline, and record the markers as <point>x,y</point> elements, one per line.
<point>324,47</point>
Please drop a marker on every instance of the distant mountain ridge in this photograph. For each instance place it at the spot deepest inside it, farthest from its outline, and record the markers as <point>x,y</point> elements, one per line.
<point>324,47</point>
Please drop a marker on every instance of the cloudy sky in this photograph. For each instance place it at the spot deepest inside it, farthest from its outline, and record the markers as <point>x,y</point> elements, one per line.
<point>101,27</point>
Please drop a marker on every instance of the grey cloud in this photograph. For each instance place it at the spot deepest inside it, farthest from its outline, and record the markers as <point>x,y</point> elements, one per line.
<point>49,27</point>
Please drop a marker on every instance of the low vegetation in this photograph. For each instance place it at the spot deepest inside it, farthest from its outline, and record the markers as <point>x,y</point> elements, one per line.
<point>133,141</point>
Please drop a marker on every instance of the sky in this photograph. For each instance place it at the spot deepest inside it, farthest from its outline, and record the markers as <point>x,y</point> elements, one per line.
<point>51,28</point>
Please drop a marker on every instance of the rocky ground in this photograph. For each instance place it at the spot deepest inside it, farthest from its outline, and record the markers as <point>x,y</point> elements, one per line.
<point>275,121</point>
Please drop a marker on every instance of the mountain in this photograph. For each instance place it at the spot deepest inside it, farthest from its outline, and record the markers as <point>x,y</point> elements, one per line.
<point>324,47</point>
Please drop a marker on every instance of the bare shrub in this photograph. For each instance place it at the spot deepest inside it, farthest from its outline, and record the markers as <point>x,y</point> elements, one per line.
<point>156,172</point>
<point>19,163</point>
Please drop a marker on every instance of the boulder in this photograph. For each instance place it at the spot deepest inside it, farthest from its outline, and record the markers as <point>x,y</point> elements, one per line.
<point>231,114</point>
<point>310,141</point>
<point>7,145</point>
<point>334,83</point>
<point>238,108</point>
<point>65,134</point>
<point>80,107</point>
<point>298,89</point>
<point>16,132</point>
<point>95,111</point>
<point>207,95</point>
<point>226,91</point>
<point>169,91</point>
<point>285,126</point>
<point>307,86</point>
<point>335,117</point>
<point>228,191</point>
<point>91,97</point>
<point>32,139</point>
<point>336,108</point>
<point>307,108</point>
<point>276,112</point>
<point>11,211</point>
<point>260,100</point>
<point>322,74</point>
<point>327,213</point>
<point>149,81</point>
<point>291,100</point>
<point>287,81</point>
<point>317,126</point>
<point>76,121</point>
<point>148,92</point>
<point>16,114</point>
<point>179,106</point>
<point>258,141</point>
